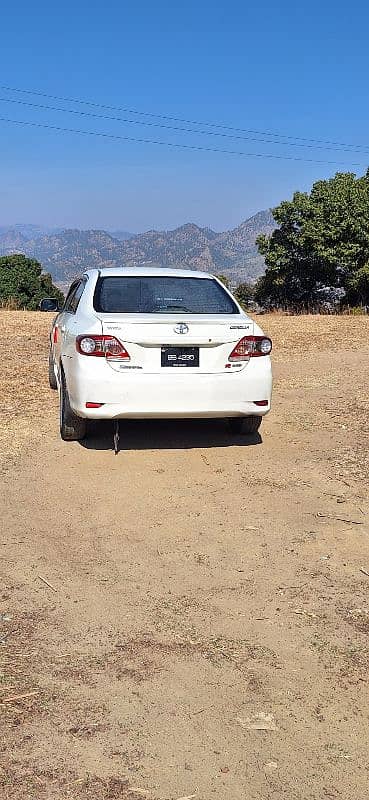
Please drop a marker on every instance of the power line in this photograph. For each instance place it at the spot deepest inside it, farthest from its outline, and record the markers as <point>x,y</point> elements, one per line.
<point>172,127</point>
<point>171,144</point>
<point>218,125</point>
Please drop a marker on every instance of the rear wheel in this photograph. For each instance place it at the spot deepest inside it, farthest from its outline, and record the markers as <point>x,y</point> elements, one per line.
<point>72,428</point>
<point>245,425</point>
<point>52,379</point>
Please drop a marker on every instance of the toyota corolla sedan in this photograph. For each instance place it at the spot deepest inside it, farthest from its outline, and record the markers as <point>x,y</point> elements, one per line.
<point>157,343</point>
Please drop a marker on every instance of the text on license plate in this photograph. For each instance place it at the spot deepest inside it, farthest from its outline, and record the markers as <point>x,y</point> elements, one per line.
<point>179,356</point>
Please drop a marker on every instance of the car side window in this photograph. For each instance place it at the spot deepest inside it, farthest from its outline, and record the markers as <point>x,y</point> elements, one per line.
<point>74,296</point>
<point>69,296</point>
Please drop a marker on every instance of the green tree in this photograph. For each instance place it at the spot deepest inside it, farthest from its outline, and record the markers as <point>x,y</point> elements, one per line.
<point>244,293</point>
<point>358,286</point>
<point>322,240</point>
<point>224,280</point>
<point>23,282</point>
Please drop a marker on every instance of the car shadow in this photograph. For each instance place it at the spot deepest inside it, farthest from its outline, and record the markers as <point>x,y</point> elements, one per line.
<point>159,434</point>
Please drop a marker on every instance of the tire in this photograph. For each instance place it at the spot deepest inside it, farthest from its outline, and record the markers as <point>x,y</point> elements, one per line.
<point>245,425</point>
<point>52,379</point>
<point>72,428</point>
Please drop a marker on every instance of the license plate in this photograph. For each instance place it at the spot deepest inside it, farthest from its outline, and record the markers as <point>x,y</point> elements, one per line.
<point>179,356</point>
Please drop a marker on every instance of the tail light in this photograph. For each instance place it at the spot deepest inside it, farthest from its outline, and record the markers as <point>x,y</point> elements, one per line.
<point>249,347</point>
<point>101,345</point>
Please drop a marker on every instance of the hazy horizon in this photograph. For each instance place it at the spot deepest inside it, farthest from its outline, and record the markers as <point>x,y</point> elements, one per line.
<point>121,229</point>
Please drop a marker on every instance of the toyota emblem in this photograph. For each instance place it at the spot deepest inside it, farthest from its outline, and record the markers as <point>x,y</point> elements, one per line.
<point>181,328</point>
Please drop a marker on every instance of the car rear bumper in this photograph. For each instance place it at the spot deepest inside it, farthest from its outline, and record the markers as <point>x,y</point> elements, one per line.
<point>135,394</point>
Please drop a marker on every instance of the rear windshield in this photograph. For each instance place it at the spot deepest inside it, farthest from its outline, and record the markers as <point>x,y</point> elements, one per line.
<point>161,295</point>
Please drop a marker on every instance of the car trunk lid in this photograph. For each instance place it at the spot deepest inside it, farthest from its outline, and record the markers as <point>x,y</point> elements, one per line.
<point>146,336</point>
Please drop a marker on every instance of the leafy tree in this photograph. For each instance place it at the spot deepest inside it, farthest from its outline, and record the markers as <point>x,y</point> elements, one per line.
<point>224,280</point>
<point>23,282</point>
<point>244,293</point>
<point>358,286</point>
<point>322,240</point>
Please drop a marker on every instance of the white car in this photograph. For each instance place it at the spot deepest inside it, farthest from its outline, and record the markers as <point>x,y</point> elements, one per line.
<point>156,343</point>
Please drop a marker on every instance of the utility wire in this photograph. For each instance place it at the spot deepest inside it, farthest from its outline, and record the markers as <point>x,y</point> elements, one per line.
<point>169,144</point>
<point>218,125</point>
<point>172,127</point>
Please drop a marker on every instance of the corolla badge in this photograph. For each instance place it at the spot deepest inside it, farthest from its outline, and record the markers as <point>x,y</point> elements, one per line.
<point>181,328</point>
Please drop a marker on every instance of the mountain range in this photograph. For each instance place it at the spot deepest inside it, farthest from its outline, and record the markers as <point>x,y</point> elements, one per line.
<point>65,253</point>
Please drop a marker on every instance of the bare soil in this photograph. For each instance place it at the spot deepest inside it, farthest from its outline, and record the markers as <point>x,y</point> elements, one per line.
<point>189,618</point>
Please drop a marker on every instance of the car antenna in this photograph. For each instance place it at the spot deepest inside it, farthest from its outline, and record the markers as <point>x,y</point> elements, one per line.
<point>116,437</point>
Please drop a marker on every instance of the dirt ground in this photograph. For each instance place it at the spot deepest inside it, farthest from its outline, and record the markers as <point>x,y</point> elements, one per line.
<point>190,618</point>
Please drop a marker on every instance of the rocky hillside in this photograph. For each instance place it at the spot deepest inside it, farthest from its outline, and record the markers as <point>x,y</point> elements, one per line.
<point>12,241</point>
<point>65,254</point>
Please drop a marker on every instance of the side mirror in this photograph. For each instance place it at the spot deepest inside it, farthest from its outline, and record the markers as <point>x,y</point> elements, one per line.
<point>49,304</point>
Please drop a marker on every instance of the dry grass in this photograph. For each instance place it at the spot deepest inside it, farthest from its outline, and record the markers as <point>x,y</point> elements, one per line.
<point>294,336</point>
<point>54,785</point>
<point>24,699</point>
<point>143,657</point>
<point>26,402</point>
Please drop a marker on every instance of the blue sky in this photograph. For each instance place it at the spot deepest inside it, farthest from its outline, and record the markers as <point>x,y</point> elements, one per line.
<point>289,68</point>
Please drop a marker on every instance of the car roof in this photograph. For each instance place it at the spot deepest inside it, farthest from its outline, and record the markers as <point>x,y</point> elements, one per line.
<point>147,272</point>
